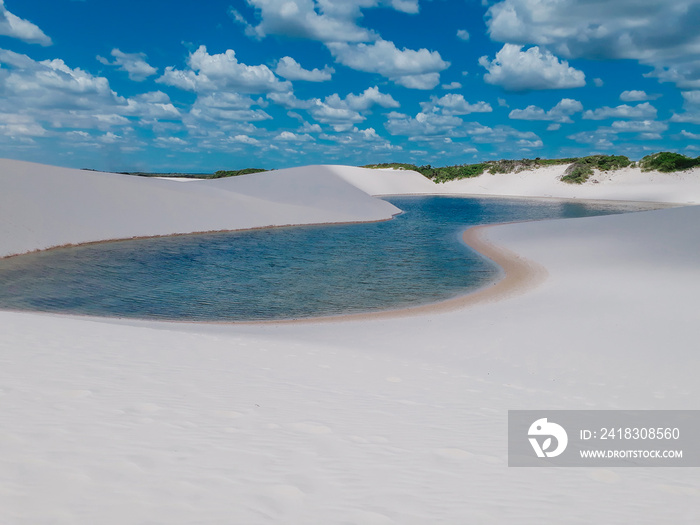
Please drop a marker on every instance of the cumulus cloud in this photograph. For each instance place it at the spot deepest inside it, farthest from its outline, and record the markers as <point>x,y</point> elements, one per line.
<point>533,69</point>
<point>636,96</point>
<point>155,104</point>
<point>226,107</point>
<point>321,20</point>
<point>340,113</point>
<point>222,72</point>
<point>370,97</point>
<point>463,34</point>
<point>51,83</point>
<point>689,135</point>
<point>501,134</point>
<point>39,98</point>
<point>452,85</point>
<point>15,27</point>
<point>422,125</point>
<point>638,126</point>
<point>290,69</point>
<point>133,63</point>
<point>245,139</point>
<point>19,126</point>
<point>599,139</point>
<point>454,104</point>
<point>560,113</point>
<point>416,69</point>
<point>643,111</point>
<point>288,136</point>
<point>691,104</point>
<point>660,34</point>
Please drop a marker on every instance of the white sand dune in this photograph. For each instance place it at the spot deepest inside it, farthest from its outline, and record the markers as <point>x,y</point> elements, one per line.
<point>630,184</point>
<point>43,206</point>
<point>383,421</point>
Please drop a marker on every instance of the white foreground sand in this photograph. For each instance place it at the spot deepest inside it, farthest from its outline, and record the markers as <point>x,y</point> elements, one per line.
<point>372,422</point>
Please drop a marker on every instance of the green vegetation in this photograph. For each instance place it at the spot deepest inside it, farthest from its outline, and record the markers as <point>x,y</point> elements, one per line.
<point>391,165</point>
<point>446,173</point>
<point>578,172</point>
<point>217,175</point>
<point>234,173</point>
<point>581,169</point>
<point>667,162</point>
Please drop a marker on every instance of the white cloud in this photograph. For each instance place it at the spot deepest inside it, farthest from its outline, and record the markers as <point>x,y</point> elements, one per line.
<point>533,69</point>
<point>500,134</point>
<point>222,72</point>
<point>452,85</point>
<point>288,136</point>
<point>691,98</point>
<point>18,125</point>
<point>133,63</point>
<point>290,69</point>
<point>170,142</point>
<point>454,104</point>
<point>560,113</point>
<point>15,27</point>
<point>530,144</point>
<point>341,118</point>
<point>636,96</point>
<point>245,139</point>
<point>661,34</point>
<point>463,34</point>
<point>49,98</point>
<point>423,124</point>
<point>341,113</point>
<point>226,107</point>
<point>321,20</point>
<point>109,138</point>
<point>691,104</point>
<point>643,111</point>
<point>416,69</point>
<point>51,84</point>
<point>425,81</point>
<point>370,97</point>
<point>365,138</point>
<point>307,127</point>
<point>155,104</point>
<point>599,139</point>
<point>290,101</point>
<point>689,135</point>
<point>598,82</point>
<point>638,126</point>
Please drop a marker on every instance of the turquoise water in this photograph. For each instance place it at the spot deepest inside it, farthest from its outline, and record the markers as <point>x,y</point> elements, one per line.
<point>283,273</point>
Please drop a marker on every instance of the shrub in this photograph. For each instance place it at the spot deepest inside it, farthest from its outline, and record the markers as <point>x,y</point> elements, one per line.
<point>668,162</point>
<point>392,165</point>
<point>234,173</point>
<point>582,169</point>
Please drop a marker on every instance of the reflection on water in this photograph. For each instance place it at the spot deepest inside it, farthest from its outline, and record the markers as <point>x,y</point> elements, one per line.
<point>307,271</point>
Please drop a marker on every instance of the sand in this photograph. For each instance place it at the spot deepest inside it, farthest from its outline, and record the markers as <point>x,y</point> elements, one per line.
<point>398,420</point>
<point>43,206</point>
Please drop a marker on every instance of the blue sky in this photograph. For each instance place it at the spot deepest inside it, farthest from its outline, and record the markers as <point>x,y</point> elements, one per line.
<point>198,86</point>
